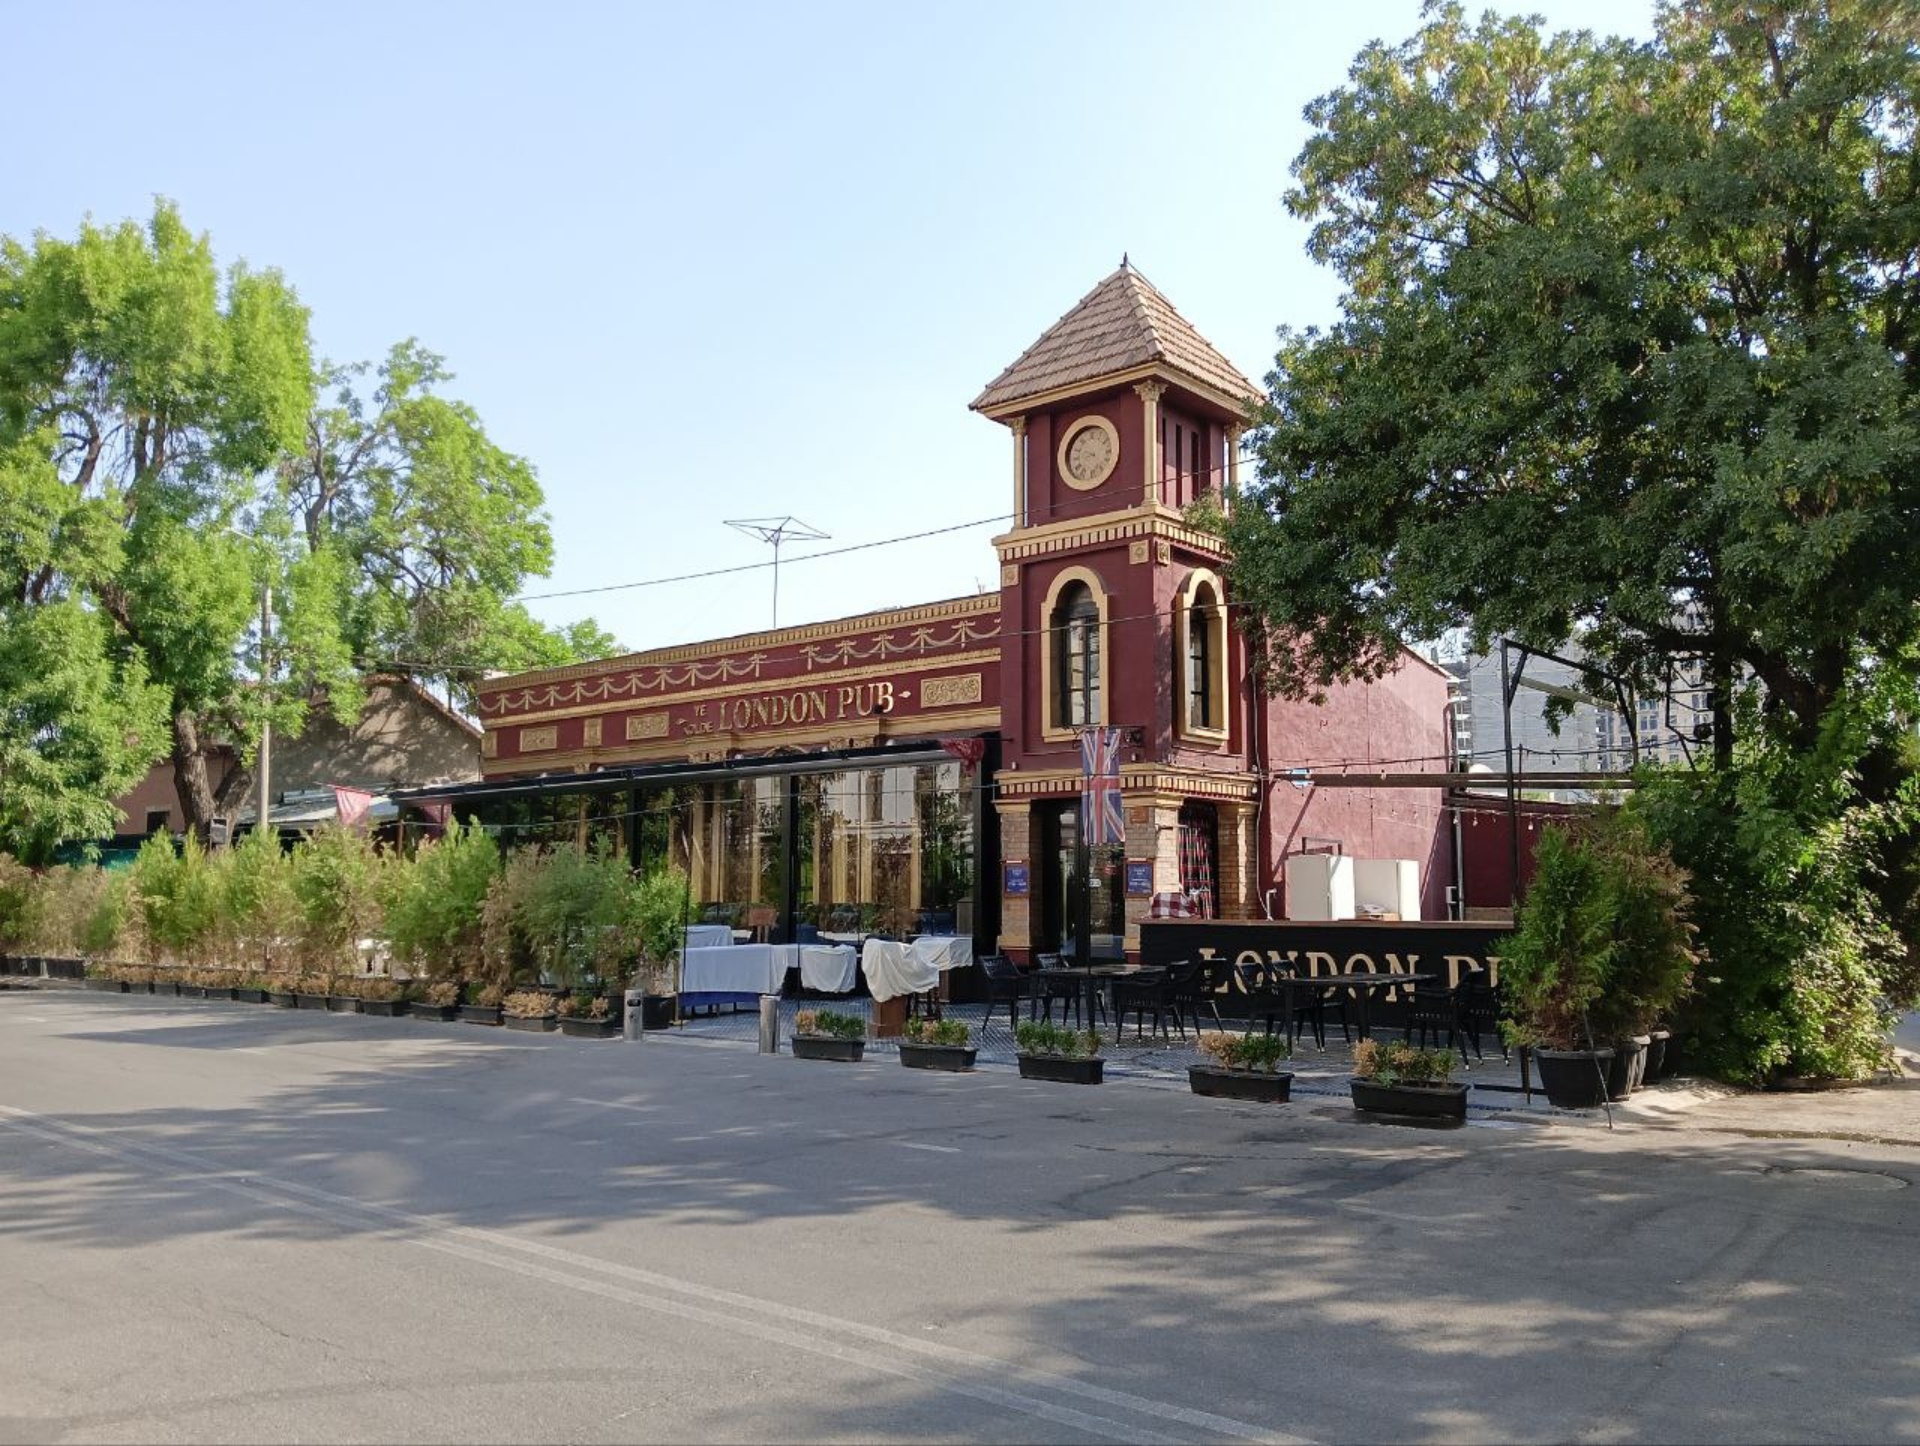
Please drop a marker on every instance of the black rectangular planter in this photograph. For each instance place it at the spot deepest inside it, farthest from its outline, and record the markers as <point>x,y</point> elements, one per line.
<point>282,998</point>
<point>1433,1102</point>
<point>1260,1086</point>
<point>954,1058</point>
<point>250,996</point>
<point>311,1001</point>
<point>344,1003</point>
<point>384,1008</point>
<point>531,1023</point>
<point>1059,1069</point>
<point>589,1028</point>
<point>165,986</point>
<point>441,1012</point>
<point>480,1013</point>
<point>819,1046</point>
<point>104,986</point>
<point>227,992</point>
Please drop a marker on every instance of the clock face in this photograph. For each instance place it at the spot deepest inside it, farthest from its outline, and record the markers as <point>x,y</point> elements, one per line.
<point>1090,452</point>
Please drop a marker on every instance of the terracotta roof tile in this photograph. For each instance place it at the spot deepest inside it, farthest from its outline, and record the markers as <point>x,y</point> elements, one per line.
<point>1122,323</point>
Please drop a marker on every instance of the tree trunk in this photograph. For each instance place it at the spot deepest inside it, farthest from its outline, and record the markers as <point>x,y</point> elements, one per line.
<point>201,798</point>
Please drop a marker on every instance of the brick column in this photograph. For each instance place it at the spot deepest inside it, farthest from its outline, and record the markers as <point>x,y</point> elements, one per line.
<point>1153,832</point>
<point>1236,884</point>
<point>1016,844</point>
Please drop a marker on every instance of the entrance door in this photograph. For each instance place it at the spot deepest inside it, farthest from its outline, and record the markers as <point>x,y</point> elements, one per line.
<point>1100,874</point>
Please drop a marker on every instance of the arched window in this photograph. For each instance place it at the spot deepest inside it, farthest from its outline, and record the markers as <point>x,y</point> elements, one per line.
<point>1200,691</point>
<point>1075,638</point>
<point>1202,659</point>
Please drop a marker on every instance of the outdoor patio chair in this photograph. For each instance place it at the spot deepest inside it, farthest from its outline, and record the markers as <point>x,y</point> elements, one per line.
<point>1189,990</point>
<point>1480,1009</point>
<point>1434,1013</point>
<point>1310,1008</point>
<point>1005,985</point>
<point>1137,996</point>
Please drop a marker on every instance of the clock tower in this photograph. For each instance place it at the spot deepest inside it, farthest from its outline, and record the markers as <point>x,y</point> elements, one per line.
<point>1114,610</point>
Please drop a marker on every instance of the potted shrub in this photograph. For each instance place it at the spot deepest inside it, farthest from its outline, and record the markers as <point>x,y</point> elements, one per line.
<point>104,979</point>
<point>252,989</point>
<point>1243,1067</point>
<point>384,997</point>
<point>1397,1078</point>
<point>311,990</point>
<point>528,1009</point>
<point>436,911</point>
<point>343,994</point>
<point>655,919</point>
<point>482,1004</point>
<point>437,1000</point>
<point>1054,1052</point>
<point>828,1034</point>
<point>281,992</point>
<point>1603,948</point>
<point>587,1016</point>
<point>937,1044</point>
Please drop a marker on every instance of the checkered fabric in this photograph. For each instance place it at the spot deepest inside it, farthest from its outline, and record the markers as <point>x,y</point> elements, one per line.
<point>1196,861</point>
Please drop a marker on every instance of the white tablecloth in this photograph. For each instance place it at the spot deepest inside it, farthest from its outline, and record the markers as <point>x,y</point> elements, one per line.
<point>944,951</point>
<point>736,969</point>
<point>708,936</point>
<point>832,969</point>
<point>892,970</point>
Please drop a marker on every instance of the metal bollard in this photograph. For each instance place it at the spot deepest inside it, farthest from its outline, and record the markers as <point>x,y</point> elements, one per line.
<point>635,1016</point>
<point>769,1024</point>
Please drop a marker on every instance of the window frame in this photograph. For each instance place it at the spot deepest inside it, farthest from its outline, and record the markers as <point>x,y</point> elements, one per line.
<point>1054,726</point>
<point>1202,601</point>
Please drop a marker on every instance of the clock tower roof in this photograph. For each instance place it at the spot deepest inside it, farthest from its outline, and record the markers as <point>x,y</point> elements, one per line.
<point>1123,327</point>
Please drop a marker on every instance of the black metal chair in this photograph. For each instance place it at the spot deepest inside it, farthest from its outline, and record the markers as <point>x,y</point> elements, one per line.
<point>1005,985</point>
<point>1434,1013</point>
<point>1188,992</point>
<point>1480,1009</point>
<point>1138,995</point>
<point>1048,992</point>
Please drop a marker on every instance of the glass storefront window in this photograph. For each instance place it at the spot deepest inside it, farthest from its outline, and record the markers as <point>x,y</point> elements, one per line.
<point>885,850</point>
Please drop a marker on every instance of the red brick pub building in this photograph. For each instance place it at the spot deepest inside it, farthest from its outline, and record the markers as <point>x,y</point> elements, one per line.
<point>918,770</point>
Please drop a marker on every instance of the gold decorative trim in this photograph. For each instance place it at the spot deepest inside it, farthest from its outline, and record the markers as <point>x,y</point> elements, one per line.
<point>646,725</point>
<point>1070,433</point>
<point>1152,475</point>
<point>706,747</point>
<point>1136,552</point>
<point>590,733</point>
<point>886,621</point>
<point>1162,551</point>
<point>1153,782</point>
<point>764,685</point>
<point>489,744</point>
<point>538,740</point>
<point>947,692</point>
<point>1009,574</point>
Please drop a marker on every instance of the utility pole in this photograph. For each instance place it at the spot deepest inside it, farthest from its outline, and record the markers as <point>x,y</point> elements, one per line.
<point>266,725</point>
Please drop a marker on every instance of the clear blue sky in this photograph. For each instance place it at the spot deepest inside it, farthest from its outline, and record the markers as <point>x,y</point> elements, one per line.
<point>710,261</point>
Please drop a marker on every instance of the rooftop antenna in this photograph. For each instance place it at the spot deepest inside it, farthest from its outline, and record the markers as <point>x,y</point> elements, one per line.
<point>777,530</point>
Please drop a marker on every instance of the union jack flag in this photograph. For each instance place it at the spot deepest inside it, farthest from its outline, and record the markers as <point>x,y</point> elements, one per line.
<point>1102,818</point>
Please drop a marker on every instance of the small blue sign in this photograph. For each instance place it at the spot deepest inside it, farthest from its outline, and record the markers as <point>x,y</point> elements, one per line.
<point>1139,876</point>
<point>1018,879</point>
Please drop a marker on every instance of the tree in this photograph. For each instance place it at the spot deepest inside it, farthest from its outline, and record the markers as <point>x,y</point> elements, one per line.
<point>141,396</point>
<point>1627,356</point>
<point>1627,352</point>
<point>166,468</point>
<point>444,524</point>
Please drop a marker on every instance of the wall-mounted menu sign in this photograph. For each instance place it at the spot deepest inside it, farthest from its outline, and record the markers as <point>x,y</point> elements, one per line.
<point>1139,876</point>
<point>1018,879</point>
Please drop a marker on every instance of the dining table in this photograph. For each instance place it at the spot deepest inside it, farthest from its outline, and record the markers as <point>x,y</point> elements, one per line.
<point>1090,979</point>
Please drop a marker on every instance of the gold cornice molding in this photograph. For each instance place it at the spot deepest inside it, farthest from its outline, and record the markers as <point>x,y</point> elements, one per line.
<point>657,702</point>
<point>1159,522</point>
<point>976,605</point>
<point>1138,781</point>
<point>1112,381</point>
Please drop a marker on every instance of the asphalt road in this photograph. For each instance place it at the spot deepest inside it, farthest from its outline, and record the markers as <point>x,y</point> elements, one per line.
<point>228,1223</point>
